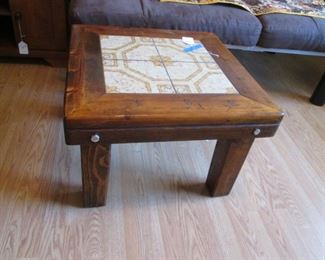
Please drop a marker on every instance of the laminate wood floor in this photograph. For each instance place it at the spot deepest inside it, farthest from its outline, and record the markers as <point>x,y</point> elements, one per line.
<point>157,205</point>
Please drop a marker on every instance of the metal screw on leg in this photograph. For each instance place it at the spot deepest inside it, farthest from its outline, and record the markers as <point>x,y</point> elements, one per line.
<point>257,131</point>
<point>95,138</point>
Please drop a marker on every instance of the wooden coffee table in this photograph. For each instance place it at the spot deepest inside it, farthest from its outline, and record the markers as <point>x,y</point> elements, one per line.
<point>139,85</point>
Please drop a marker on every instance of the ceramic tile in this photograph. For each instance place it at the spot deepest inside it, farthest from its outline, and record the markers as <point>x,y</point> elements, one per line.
<point>199,78</point>
<point>145,65</point>
<point>173,50</point>
<point>128,48</point>
<point>136,77</point>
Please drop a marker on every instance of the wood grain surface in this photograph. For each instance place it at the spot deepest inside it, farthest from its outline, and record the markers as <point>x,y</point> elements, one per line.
<point>156,134</point>
<point>44,25</point>
<point>227,159</point>
<point>86,101</point>
<point>158,208</point>
<point>95,161</point>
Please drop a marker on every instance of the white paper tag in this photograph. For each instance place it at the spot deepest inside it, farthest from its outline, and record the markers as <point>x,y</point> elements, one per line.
<point>188,40</point>
<point>23,48</point>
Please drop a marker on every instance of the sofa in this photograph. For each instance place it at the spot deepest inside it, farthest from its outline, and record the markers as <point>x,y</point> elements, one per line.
<point>234,26</point>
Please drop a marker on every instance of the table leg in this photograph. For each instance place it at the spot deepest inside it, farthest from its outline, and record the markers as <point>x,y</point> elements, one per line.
<point>227,160</point>
<point>95,170</point>
<point>318,97</point>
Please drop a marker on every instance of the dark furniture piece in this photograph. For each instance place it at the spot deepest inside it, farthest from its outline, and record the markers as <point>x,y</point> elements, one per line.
<point>318,97</point>
<point>95,118</point>
<point>42,24</point>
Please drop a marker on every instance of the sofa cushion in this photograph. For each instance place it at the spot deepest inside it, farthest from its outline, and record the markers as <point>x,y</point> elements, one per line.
<point>320,23</point>
<point>286,31</point>
<point>233,25</point>
<point>102,12</point>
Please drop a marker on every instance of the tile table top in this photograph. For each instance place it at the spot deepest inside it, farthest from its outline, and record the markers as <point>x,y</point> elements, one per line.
<point>160,65</point>
<point>133,80</point>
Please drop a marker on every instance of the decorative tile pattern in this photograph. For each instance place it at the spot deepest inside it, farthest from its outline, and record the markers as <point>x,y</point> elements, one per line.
<point>159,65</point>
<point>173,49</point>
<point>123,76</point>
<point>199,78</point>
<point>128,48</point>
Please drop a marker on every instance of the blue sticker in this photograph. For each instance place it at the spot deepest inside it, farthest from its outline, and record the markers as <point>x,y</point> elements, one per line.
<point>193,47</point>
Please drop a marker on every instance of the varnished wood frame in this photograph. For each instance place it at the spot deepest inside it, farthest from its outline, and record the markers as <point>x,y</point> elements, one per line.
<point>88,109</point>
<point>232,119</point>
<point>95,161</point>
<point>174,133</point>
